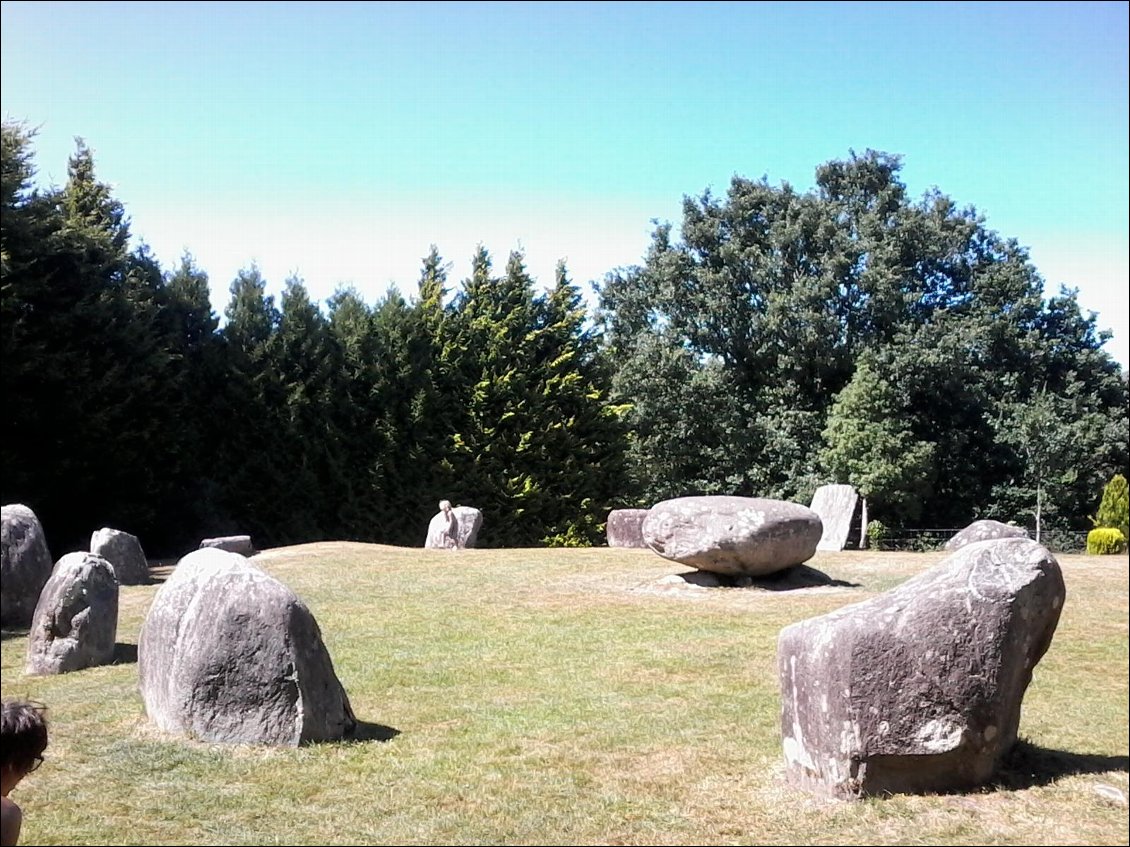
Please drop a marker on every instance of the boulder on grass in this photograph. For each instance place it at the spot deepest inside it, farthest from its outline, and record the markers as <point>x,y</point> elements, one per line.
<point>123,551</point>
<point>229,654</point>
<point>453,528</point>
<point>240,544</point>
<point>835,504</point>
<point>25,564</point>
<point>624,528</point>
<point>749,536</point>
<point>984,531</point>
<point>919,689</point>
<point>76,620</point>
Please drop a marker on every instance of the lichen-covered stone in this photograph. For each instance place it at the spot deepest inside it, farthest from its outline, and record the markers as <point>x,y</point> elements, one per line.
<point>919,689</point>
<point>227,653</point>
<point>25,564</point>
<point>76,620</point>
<point>732,535</point>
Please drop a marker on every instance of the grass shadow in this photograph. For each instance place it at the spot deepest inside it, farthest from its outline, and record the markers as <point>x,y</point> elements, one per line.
<point>367,731</point>
<point>124,654</point>
<point>1028,766</point>
<point>800,576</point>
<point>5,634</point>
<point>790,579</point>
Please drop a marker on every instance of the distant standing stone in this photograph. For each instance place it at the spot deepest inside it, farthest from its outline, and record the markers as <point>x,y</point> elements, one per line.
<point>453,528</point>
<point>470,521</point>
<point>835,504</point>
<point>240,544</point>
<point>624,528</point>
<point>123,551</point>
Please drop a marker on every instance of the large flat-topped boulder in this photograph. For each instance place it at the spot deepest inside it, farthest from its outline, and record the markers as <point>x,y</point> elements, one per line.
<point>985,531</point>
<point>919,689</point>
<point>229,654</point>
<point>25,564</point>
<point>123,551</point>
<point>76,620</point>
<point>753,536</point>
<point>624,527</point>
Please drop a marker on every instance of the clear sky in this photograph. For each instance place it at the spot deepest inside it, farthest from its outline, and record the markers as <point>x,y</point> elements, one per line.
<point>338,141</point>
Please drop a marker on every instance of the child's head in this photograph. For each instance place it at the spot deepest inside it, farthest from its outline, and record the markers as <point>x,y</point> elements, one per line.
<point>24,730</point>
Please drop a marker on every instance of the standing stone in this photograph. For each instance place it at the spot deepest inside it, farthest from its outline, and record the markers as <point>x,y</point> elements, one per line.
<point>443,529</point>
<point>123,551</point>
<point>240,544</point>
<point>469,520</point>
<point>984,531</point>
<point>919,689</point>
<point>76,620</point>
<point>742,536</point>
<point>25,564</point>
<point>625,528</point>
<point>835,504</point>
<point>229,654</point>
<point>453,528</point>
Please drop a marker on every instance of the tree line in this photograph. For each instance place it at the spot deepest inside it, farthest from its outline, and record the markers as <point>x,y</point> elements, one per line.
<point>782,340</point>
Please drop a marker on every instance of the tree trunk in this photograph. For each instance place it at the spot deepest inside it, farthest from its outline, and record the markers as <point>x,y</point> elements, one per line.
<point>1039,504</point>
<point>863,525</point>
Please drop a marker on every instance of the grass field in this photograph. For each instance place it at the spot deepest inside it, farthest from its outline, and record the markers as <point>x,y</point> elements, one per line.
<point>564,697</point>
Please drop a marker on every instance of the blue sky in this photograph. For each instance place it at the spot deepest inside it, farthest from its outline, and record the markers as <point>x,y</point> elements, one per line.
<point>338,141</point>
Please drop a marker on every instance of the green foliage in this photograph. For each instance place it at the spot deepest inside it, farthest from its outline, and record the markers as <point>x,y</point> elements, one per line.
<point>733,343</point>
<point>535,443</point>
<point>876,534</point>
<point>89,377</point>
<point>848,331</point>
<point>1114,510</point>
<point>1104,541</point>
<point>870,446</point>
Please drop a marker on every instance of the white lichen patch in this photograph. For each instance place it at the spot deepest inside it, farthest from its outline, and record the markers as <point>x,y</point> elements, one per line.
<point>940,735</point>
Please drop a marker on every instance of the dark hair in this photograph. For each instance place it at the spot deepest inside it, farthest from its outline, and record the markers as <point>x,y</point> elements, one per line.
<point>24,730</point>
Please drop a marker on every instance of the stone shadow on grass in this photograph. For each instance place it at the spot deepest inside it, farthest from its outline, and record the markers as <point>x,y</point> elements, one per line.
<point>124,654</point>
<point>1028,765</point>
<point>790,579</point>
<point>367,731</point>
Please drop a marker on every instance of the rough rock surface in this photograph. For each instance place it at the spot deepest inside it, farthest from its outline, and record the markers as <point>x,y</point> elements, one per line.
<point>123,551</point>
<point>984,531</point>
<point>835,504</point>
<point>624,528</point>
<point>919,689</point>
<point>240,544</point>
<point>732,535</point>
<point>76,620</point>
<point>227,653</point>
<point>25,564</point>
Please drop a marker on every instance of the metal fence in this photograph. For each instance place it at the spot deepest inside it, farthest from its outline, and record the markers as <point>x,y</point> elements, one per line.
<point>928,540</point>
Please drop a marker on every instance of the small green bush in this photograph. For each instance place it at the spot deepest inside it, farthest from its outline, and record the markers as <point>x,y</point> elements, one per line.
<point>1104,541</point>
<point>1114,510</point>
<point>573,536</point>
<point>876,533</point>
